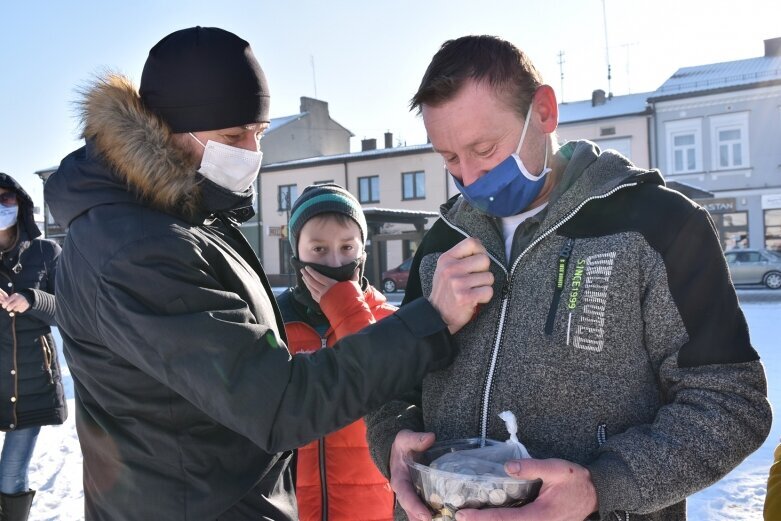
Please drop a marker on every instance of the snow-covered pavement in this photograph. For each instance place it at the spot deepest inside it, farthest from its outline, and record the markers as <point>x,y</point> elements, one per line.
<point>55,471</point>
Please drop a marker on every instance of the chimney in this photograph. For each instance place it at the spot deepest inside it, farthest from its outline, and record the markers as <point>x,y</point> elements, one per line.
<point>388,140</point>
<point>368,144</point>
<point>773,47</point>
<point>597,97</point>
<point>313,105</point>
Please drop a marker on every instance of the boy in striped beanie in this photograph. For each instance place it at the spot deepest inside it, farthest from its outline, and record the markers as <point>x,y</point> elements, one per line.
<point>331,299</point>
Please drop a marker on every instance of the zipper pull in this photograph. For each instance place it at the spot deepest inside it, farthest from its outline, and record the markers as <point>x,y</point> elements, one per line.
<point>323,342</point>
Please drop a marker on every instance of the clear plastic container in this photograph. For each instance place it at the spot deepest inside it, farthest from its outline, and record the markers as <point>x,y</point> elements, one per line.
<point>447,492</point>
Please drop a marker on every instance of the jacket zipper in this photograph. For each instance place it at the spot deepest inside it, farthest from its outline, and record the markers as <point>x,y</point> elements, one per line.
<point>497,337</point>
<point>14,368</point>
<point>601,439</point>
<point>47,357</point>
<point>601,435</point>
<point>323,487</point>
<point>506,295</point>
<point>561,274</point>
<point>321,460</point>
<point>15,397</point>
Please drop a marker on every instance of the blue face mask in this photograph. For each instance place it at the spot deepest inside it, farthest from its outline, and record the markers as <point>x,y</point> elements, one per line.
<point>508,188</point>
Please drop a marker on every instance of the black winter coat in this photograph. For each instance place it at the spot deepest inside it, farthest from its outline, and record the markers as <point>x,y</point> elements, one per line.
<point>31,392</point>
<point>188,400</point>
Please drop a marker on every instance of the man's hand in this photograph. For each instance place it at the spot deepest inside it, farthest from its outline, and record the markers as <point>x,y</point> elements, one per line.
<point>16,303</point>
<point>318,284</point>
<point>567,493</point>
<point>462,280</point>
<point>406,443</point>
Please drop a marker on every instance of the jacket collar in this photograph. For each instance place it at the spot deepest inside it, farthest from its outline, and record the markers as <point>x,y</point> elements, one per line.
<point>589,173</point>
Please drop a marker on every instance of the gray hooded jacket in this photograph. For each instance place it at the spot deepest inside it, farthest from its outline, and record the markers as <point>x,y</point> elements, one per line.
<point>614,335</point>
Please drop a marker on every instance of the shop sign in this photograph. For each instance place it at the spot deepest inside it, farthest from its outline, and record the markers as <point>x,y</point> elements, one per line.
<point>771,201</point>
<point>721,205</point>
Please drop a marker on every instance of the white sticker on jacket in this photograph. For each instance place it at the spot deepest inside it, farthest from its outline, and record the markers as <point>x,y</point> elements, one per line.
<point>589,288</point>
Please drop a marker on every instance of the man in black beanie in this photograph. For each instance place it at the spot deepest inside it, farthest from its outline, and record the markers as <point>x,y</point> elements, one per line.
<point>188,401</point>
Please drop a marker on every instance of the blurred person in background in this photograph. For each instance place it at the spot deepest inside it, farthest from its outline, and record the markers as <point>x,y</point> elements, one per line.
<point>31,392</point>
<point>773,498</point>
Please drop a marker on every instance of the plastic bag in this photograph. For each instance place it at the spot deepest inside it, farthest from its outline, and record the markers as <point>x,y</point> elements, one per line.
<point>488,460</point>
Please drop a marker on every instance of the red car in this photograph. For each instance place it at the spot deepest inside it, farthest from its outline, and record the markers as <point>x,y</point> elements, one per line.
<point>396,279</point>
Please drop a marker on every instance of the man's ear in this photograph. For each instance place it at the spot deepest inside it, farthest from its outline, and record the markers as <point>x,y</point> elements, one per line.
<point>546,108</point>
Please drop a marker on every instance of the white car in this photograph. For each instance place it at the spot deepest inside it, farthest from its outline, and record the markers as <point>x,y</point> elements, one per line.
<point>755,266</point>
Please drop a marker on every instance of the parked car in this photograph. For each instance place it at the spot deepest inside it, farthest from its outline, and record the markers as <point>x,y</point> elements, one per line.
<point>755,266</point>
<point>396,278</point>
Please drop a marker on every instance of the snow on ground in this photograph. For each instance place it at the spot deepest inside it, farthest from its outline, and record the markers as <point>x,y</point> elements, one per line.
<point>55,471</point>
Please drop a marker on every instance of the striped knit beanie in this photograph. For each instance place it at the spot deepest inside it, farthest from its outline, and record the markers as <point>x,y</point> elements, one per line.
<point>325,198</point>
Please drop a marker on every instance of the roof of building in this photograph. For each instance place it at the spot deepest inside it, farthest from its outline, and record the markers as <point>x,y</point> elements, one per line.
<point>626,105</point>
<point>350,156</point>
<point>718,77</point>
<point>275,123</point>
<point>691,191</point>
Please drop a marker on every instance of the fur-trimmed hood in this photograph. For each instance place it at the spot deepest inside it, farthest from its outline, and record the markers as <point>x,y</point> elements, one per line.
<point>130,156</point>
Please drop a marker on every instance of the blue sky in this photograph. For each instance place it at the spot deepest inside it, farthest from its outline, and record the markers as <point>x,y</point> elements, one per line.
<point>368,56</point>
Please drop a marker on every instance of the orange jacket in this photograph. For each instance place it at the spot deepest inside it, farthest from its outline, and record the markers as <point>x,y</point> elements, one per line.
<point>352,487</point>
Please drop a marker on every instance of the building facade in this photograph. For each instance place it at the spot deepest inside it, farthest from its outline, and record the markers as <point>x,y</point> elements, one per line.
<point>310,133</point>
<point>718,126</point>
<point>620,123</point>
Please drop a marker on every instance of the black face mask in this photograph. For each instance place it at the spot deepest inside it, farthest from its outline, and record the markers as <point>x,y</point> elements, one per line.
<point>340,274</point>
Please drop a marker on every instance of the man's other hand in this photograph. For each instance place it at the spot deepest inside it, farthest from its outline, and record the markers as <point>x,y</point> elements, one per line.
<point>405,444</point>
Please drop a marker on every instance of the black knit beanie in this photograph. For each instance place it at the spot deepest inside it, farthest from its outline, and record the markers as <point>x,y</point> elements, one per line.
<point>204,78</point>
<point>325,198</point>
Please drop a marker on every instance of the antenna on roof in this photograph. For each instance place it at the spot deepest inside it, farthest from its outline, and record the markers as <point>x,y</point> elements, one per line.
<point>626,47</point>
<point>561,71</point>
<point>314,77</point>
<point>607,50</point>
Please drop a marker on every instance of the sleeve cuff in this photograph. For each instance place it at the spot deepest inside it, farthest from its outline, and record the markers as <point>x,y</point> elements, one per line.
<point>338,296</point>
<point>42,304</point>
<point>424,321</point>
<point>421,318</point>
<point>614,483</point>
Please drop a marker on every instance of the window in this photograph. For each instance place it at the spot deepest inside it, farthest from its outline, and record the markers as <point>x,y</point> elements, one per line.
<point>773,230</point>
<point>745,256</point>
<point>732,228</point>
<point>684,158</point>
<point>684,149</point>
<point>413,185</point>
<point>286,196</point>
<point>622,145</point>
<point>729,135</point>
<point>369,189</point>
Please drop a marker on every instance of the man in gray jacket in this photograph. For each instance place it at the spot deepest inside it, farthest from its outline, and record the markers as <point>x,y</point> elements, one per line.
<point>613,333</point>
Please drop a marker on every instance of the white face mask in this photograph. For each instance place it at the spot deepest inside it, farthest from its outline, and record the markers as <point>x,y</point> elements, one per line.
<point>230,167</point>
<point>8,215</point>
